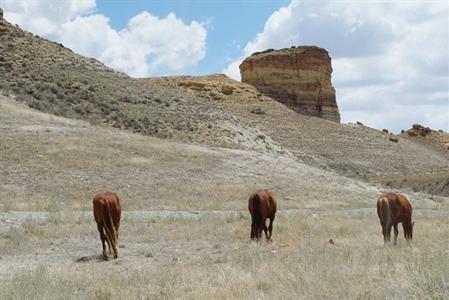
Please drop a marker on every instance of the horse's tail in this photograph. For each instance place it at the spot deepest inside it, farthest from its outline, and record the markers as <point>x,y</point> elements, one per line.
<point>110,232</point>
<point>383,210</point>
<point>257,214</point>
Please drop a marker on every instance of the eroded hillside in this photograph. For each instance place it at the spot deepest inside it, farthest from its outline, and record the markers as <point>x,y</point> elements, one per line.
<point>213,111</point>
<point>51,78</point>
<point>52,163</point>
<point>350,149</point>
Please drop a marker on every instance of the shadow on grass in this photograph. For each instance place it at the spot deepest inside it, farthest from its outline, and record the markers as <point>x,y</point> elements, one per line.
<point>89,258</point>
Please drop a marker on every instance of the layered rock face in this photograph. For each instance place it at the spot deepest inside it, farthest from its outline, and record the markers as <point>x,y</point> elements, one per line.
<point>299,77</point>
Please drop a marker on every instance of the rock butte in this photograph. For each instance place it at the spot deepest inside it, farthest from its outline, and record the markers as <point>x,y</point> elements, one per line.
<point>299,77</point>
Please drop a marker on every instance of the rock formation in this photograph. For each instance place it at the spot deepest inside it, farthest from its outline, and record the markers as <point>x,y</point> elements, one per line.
<point>419,130</point>
<point>4,26</point>
<point>299,77</point>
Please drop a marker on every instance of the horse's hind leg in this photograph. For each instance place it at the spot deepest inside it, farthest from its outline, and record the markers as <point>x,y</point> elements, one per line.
<point>265,229</point>
<point>270,227</point>
<point>396,232</point>
<point>103,239</point>
<point>109,247</point>
<point>386,230</point>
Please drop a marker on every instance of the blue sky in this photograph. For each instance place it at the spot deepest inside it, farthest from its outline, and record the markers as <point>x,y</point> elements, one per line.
<point>390,58</point>
<point>230,24</point>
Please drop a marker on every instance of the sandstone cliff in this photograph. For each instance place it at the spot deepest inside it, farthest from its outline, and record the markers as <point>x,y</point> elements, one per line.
<point>299,77</point>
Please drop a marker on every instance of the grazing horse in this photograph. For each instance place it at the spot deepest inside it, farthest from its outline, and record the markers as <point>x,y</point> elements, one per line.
<point>261,205</point>
<point>393,208</point>
<point>107,213</point>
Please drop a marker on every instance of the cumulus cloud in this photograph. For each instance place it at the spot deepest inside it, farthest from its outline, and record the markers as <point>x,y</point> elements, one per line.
<point>390,59</point>
<point>42,17</point>
<point>149,44</point>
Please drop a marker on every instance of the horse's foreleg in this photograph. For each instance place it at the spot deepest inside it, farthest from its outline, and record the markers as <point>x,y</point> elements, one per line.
<point>396,232</point>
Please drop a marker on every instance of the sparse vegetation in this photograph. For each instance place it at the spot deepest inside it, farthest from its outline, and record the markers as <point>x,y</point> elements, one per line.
<point>159,261</point>
<point>50,78</point>
<point>64,162</point>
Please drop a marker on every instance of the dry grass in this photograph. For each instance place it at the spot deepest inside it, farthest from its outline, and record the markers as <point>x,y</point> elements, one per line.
<point>433,183</point>
<point>51,164</point>
<point>167,259</point>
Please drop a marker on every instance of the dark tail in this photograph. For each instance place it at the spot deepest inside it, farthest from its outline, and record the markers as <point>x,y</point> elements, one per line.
<point>256,218</point>
<point>256,207</point>
<point>109,227</point>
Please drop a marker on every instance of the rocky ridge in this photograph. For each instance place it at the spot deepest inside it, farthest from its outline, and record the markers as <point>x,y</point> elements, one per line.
<point>299,77</point>
<point>437,140</point>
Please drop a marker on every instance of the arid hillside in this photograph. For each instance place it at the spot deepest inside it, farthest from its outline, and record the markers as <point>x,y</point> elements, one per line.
<point>57,163</point>
<point>349,149</point>
<point>211,111</point>
<point>51,78</point>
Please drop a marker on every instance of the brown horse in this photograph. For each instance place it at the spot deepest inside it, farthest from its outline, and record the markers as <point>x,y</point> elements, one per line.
<point>393,208</point>
<point>107,213</point>
<point>261,205</point>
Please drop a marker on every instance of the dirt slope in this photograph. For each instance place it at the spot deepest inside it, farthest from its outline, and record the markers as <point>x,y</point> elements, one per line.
<point>53,163</point>
<point>352,150</point>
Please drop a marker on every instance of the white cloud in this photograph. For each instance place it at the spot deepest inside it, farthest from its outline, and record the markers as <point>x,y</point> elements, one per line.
<point>390,59</point>
<point>232,70</point>
<point>148,45</point>
<point>42,17</point>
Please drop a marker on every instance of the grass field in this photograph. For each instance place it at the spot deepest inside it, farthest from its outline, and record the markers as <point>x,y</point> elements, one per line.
<point>176,258</point>
<point>53,165</point>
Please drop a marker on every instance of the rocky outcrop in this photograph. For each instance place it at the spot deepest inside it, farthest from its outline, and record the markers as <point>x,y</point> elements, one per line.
<point>419,130</point>
<point>4,26</point>
<point>299,77</point>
